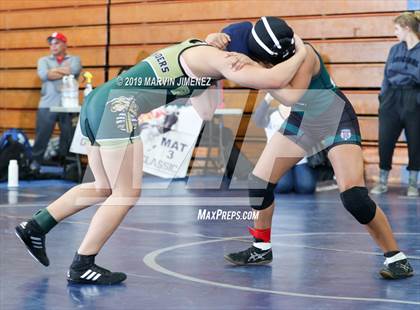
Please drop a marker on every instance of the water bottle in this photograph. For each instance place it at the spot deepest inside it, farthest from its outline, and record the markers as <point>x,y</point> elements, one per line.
<point>70,92</point>
<point>74,90</point>
<point>65,92</point>
<point>13,174</point>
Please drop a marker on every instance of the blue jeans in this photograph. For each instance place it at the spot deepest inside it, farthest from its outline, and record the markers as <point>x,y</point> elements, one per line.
<point>300,179</point>
<point>45,123</point>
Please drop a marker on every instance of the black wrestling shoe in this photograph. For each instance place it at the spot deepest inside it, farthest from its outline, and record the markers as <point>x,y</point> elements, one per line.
<point>397,267</point>
<point>95,275</point>
<point>34,241</point>
<point>251,256</point>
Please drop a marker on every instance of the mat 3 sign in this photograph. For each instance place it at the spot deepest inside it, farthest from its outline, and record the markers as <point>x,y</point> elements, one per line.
<point>169,135</point>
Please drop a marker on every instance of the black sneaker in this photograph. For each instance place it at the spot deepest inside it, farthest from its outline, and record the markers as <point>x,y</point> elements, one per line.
<point>399,269</point>
<point>251,256</point>
<point>95,275</point>
<point>34,241</point>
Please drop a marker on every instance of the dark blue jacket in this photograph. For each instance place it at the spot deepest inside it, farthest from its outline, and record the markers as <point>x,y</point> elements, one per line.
<point>402,68</point>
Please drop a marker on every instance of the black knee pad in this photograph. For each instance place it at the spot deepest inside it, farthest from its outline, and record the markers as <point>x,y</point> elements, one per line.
<point>261,193</point>
<point>357,201</point>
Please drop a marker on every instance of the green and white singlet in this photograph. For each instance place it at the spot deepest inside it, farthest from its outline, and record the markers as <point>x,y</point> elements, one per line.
<point>110,113</point>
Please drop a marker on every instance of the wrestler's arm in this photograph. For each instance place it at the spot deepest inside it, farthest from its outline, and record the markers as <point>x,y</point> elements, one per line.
<point>249,76</point>
<point>206,103</point>
<point>290,94</point>
<point>257,77</point>
<point>285,70</point>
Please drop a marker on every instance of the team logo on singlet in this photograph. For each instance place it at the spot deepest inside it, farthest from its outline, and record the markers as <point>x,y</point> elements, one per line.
<point>180,91</point>
<point>126,109</point>
<point>345,134</point>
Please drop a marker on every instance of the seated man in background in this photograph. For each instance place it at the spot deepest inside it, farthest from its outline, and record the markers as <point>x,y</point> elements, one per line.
<point>301,178</point>
<point>51,70</point>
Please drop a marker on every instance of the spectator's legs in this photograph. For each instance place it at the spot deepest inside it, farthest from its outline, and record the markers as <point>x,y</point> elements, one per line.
<point>66,133</point>
<point>412,133</point>
<point>285,184</point>
<point>45,122</point>
<point>390,127</point>
<point>305,179</point>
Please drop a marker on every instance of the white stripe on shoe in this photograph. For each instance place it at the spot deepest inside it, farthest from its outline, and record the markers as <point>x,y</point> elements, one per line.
<point>86,274</point>
<point>91,275</point>
<point>35,238</point>
<point>30,253</point>
<point>37,246</point>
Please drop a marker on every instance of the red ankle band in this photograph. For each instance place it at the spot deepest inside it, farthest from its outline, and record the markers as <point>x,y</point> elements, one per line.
<point>262,234</point>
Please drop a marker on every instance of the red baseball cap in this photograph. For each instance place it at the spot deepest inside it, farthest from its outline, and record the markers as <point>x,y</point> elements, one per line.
<point>58,36</point>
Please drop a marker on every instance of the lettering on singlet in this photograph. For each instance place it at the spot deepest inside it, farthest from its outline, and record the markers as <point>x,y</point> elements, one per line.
<point>163,64</point>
